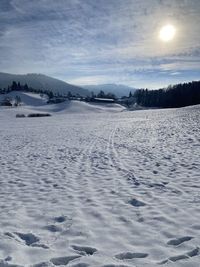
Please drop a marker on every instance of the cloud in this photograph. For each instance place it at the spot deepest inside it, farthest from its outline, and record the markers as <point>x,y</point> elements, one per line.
<point>115,40</point>
<point>6,5</point>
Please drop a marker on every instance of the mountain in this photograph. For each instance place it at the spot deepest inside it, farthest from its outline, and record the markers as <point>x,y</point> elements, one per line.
<point>118,89</point>
<point>42,82</point>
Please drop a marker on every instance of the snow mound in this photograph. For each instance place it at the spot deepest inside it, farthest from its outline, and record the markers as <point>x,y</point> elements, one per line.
<point>83,107</point>
<point>28,99</point>
<point>32,102</point>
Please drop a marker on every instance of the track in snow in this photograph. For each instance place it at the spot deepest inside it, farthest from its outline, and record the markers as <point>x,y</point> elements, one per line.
<point>101,189</point>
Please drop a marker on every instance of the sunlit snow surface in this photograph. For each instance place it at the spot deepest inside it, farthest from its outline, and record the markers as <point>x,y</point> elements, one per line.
<point>105,189</point>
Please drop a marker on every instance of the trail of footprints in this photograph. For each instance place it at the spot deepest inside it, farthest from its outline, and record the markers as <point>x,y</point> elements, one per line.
<point>29,239</point>
<point>32,240</point>
<point>184,256</point>
<point>187,255</point>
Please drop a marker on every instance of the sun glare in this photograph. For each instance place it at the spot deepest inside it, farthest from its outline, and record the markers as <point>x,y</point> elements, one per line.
<point>167,33</point>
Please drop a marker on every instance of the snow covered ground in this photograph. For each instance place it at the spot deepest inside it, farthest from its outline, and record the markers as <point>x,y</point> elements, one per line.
<point>28,99</point>
<point>93,186</point>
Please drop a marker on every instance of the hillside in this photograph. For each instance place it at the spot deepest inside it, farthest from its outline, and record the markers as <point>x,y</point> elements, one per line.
<point>41,82</point>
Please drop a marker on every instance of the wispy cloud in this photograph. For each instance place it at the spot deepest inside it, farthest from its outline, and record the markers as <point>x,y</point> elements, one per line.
<point>100,41</point>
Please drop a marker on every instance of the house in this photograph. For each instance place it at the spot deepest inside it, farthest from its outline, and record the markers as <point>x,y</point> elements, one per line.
<point>103,100</point>
<point>56,100</point>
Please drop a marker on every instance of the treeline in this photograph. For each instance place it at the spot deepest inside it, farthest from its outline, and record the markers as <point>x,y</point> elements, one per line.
<point>175,96</point>
<point>101,94</point>
<point>16,86</point>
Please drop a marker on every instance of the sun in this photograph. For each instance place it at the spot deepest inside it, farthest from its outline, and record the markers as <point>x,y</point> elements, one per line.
<point>167,33</point>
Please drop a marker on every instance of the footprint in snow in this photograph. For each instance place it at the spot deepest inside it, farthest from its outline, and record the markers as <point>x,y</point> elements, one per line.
<point>60,219</point>
<point>29,238</point>
<point>131,255</point>
<point>178,241</point>
<point>84,250</point>
<point>194,252</point>
<point>40,246</point>
<point>63,260</point>
<point>136,203</point>
<point>53,228</point>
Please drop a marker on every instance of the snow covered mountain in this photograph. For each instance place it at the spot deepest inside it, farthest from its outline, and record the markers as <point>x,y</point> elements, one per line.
<point>40,81</point>
<point>118,89</point>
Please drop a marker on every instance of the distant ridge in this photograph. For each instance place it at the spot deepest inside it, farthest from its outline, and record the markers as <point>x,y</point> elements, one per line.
<point>41,82</point>
<point>118,89</point>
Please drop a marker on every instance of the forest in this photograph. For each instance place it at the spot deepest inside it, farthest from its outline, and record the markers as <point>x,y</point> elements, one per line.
<point>175,96</point>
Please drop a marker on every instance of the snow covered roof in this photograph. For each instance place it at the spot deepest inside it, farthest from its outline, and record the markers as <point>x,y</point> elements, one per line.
<point>104,99</point>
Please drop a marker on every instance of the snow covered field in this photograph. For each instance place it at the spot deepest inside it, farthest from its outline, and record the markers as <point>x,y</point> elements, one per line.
<point>89,187</point>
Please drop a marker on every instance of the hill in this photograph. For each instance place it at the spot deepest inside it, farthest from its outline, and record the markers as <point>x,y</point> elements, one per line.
<point>42,82</point>
<point>33,102</point>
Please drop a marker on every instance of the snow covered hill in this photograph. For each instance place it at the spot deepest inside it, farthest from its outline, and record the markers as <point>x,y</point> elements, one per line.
<point>32,102</point>
<point>28,99</point>
<point>100,189</point>
<point>40,81</point>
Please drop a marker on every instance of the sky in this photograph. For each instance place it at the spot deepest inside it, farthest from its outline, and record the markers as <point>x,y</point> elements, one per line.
<point>88,42</point>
